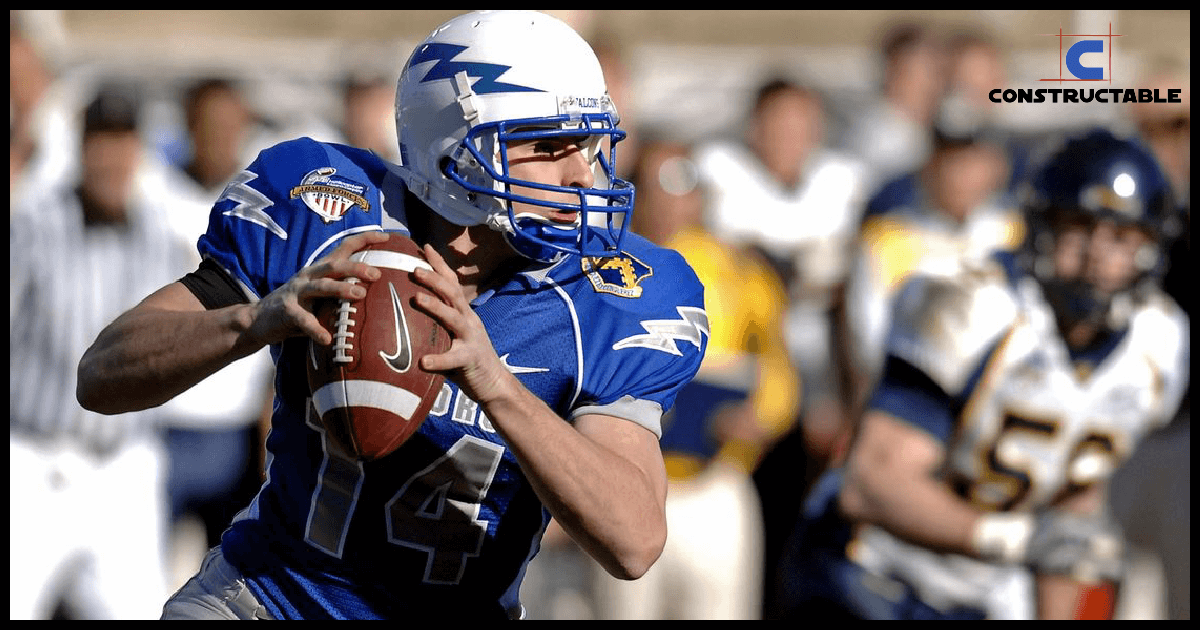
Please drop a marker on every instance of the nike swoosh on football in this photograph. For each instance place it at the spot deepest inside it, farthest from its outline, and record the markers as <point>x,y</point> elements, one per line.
<point>517,369</point>
<point>401,360</point>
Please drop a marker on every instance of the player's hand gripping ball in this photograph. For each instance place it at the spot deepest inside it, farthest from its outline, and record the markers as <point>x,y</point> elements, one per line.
<point>367,386</point>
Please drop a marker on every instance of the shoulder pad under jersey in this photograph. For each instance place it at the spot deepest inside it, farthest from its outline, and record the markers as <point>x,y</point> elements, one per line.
<point>944,325</point>
<point>291,205</point>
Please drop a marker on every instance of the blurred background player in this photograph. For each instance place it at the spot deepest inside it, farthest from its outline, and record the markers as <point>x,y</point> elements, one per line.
<point>893,132</point>
<point>975,485</point>
<point>368,119</point>
<point>976,63</point>
<point>89,489</point>
<point>745,396</point>
<point>781,191</point>
<point>29,80</point>
<point>43,121</point>
<point>953,213</point>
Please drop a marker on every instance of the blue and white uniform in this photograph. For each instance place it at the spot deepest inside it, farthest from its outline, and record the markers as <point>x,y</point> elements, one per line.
<point>977,361</point>
<point>448,522</point>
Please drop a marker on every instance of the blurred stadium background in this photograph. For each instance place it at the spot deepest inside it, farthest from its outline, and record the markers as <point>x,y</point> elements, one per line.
<point>692,70</point>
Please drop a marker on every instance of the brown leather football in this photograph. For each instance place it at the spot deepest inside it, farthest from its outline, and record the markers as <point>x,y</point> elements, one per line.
<point>367,386</point>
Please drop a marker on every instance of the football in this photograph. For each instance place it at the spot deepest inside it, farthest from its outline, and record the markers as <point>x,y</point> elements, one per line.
<point>368,389</point>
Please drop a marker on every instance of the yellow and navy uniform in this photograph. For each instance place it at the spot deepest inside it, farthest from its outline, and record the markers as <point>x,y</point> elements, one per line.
<point>912,239</point>
<point>746,359</point>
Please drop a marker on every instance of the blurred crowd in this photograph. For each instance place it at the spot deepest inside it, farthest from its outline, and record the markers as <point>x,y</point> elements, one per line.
<point>801,221</point>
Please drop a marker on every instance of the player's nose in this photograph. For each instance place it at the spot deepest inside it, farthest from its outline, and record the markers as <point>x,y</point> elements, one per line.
<point>577,171</point>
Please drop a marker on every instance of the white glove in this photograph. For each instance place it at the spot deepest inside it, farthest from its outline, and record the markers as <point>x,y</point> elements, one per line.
<point>1087,548</point>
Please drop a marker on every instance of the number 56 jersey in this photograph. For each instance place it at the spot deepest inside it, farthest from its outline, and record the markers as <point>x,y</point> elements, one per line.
<point>976,360</point>
<point>1030,420</point>
<point>445,525</point>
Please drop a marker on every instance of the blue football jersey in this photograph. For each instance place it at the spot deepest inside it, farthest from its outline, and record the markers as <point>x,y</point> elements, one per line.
<point>446,524</point>
<point>977,362</point>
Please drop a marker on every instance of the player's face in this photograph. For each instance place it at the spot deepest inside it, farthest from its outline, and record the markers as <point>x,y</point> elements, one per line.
<point>110,160</point>
<point>220,126</point>
<point>559,161</point>
<point>964,177</point>
<point>785,131</point>
<point>1103,253</point>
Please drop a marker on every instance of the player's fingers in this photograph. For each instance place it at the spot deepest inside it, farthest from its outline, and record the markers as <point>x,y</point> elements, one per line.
<point>338,261</point>
<point>308,324</point>
<point>451,318</point>
<point>343,269</point>
<point>449,293</point>
<point>435,259</point>
<point>455,357</point>
<point>439,265</point>
<point>331,288</point>
<point>355,242</point>
<point>442,280</point>
<point>436,362</point>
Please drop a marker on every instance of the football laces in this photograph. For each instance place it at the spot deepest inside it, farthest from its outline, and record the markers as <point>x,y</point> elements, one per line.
<point>343,335</point>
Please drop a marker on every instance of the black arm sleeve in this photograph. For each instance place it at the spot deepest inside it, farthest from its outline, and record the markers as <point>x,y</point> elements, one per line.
<point>213,286</point>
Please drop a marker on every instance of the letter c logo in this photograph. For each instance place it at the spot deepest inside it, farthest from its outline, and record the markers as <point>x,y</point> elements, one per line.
<point>1081,71</point>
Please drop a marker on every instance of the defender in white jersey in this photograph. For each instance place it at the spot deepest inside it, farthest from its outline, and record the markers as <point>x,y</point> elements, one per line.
<point>571,338</point>
<point>975,484</point>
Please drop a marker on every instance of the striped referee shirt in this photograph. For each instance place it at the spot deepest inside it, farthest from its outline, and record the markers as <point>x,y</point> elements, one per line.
<point>69,281</point>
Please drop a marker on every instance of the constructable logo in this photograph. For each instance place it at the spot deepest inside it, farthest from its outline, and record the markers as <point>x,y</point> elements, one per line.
<point>1073,57</point>
<point>1079,69</point>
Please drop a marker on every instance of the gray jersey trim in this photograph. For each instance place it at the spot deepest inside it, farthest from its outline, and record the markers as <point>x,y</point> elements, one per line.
<point>646,413</point>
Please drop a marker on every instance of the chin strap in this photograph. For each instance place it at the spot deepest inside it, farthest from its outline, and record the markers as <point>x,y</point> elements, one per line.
<point>534,236</point>
<point>499,222</point>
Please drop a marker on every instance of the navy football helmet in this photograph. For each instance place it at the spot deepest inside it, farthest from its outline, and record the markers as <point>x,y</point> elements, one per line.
<point>1094,177</point>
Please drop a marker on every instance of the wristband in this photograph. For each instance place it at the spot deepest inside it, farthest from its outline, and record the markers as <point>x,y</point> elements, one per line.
<point>1002,536</point>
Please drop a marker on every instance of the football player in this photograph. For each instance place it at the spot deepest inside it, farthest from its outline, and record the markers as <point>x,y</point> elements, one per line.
<point>570,339</point>
<point>974,486</point>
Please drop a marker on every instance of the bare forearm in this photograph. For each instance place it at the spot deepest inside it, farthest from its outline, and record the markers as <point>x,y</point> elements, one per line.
<point>608,505</point>
<point>916,508</point>
<point>169,342</point>
<point>148,356</point>
<point>890,482</point>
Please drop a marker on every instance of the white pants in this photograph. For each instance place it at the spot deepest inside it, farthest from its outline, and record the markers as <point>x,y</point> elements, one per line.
<point>217,592</point>
<point>87,530</point>
<point>711,566</point>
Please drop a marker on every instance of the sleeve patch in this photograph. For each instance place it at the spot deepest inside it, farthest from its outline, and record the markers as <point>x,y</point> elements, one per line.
<point>619,275</point>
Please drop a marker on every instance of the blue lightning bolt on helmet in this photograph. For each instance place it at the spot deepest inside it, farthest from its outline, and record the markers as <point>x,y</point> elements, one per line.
<point>489,78</point>
<point>1092,177</point>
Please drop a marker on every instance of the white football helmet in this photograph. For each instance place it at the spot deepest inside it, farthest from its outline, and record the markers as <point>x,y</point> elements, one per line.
<point>488,78</point>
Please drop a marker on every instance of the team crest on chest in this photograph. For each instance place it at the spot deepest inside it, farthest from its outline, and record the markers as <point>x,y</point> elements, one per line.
<point>619,275</point>
<point>329,196</point>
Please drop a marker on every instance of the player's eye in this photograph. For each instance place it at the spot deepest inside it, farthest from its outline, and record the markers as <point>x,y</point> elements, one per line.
<point>547,147</point>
